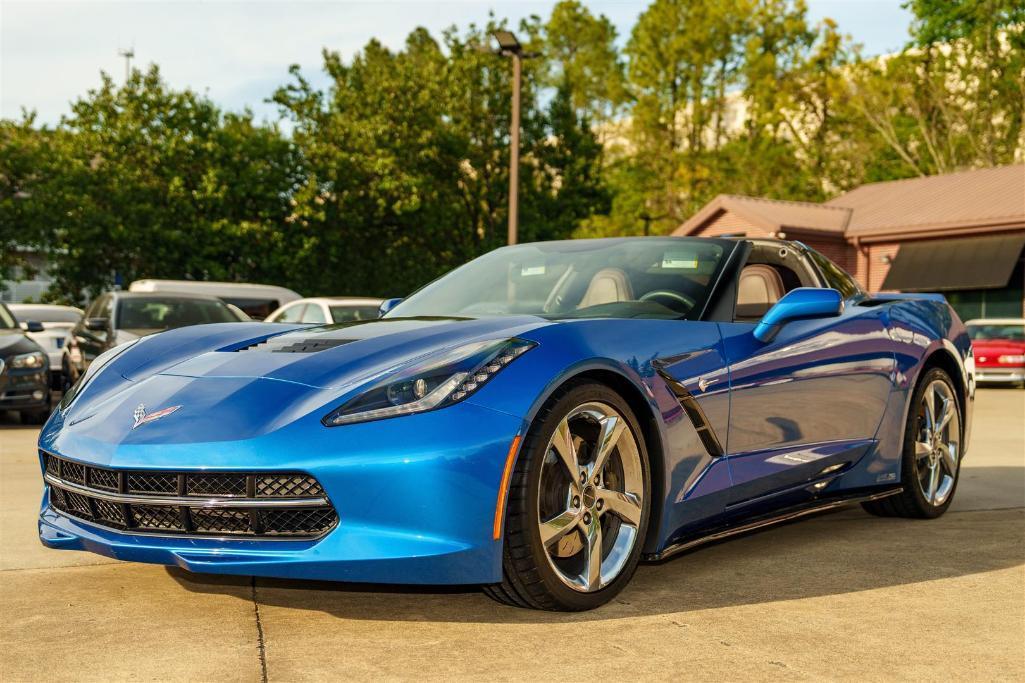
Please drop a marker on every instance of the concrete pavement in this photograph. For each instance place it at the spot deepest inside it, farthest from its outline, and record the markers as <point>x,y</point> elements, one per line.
<point>840,596</point>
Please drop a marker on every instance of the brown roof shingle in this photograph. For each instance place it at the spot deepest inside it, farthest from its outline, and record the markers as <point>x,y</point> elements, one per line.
<point>981,197</point>
<point>772,214</point>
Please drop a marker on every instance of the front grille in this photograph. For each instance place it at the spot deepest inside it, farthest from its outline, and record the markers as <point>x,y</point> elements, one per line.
<point>264,504</point>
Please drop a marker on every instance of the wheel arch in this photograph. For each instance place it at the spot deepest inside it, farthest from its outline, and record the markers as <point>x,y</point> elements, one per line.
<point>944,356</point>
<point>647,417</point>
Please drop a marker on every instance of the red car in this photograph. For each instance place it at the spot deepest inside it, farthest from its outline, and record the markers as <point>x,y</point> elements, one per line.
<point>999,345</point>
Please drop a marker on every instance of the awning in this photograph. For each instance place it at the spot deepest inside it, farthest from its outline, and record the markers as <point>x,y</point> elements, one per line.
<point>965,263</point>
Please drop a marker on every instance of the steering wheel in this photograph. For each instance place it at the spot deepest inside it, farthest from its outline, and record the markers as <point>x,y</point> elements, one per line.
<point>675,298</point>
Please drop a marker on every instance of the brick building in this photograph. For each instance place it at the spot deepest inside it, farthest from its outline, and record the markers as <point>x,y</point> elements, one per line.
<point>960,233</point>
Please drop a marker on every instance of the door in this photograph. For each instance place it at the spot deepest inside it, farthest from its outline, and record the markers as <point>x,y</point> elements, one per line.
<point>809,402</point>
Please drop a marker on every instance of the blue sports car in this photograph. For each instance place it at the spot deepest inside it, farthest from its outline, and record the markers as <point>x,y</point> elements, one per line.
<point>537,421</point>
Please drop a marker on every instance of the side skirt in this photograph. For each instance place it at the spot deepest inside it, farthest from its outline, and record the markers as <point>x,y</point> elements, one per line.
<point>766,521</point>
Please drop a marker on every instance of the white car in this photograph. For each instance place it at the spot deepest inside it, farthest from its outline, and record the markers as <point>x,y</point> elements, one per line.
<point>327,309</point>
<point>254,299</point>
<point>57,321</point>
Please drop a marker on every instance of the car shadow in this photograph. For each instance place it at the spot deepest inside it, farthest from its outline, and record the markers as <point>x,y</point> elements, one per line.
<point>842,552</point>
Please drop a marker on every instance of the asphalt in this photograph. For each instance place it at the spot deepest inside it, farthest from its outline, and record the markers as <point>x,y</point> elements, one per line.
<point>841,596</point>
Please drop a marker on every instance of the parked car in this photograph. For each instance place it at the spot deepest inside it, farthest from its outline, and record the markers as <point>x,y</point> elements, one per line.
<point>328,309</point>
<point>57,322</point>
<point>256,300</point>
<point>24,370</point>
<point>119,317</point>
<point>999,345</point>
<point>537,421</point>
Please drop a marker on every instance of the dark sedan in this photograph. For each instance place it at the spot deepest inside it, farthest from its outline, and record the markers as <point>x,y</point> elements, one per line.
<point>118,317</point>
<point>24,371</point>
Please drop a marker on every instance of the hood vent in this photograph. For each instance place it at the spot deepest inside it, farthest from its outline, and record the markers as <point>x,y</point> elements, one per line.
<point>295,346</point>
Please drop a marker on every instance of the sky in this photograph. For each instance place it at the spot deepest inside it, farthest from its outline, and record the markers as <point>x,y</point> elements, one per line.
<point>237,53</point>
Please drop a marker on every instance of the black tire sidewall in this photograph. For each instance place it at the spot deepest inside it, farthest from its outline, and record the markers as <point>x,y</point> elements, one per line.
<point>537,441</point>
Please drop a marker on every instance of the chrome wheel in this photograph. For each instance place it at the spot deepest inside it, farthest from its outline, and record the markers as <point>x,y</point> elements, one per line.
<point>590,497</point>
<point>938,442</point>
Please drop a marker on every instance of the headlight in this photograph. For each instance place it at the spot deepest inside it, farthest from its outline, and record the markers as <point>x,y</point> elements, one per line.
<point>432,383</point>
<point>1012,360</point>
<point>94,368</point>
<point>29,360</point>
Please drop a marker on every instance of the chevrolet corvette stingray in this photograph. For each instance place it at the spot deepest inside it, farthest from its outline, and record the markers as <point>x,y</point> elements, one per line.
<point>537,421</point>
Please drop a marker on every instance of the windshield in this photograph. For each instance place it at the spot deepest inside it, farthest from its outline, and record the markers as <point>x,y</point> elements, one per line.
<point>48,314</point>
<point>6,319</point>
<point>1001,331</point>
<point>164,313</point>
<point>344,314</point>
<point>611,278</point>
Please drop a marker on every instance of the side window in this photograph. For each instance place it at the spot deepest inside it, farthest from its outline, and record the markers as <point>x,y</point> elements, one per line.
<point>292,314</point>
<point>314,314</point>
<point>835,277</point>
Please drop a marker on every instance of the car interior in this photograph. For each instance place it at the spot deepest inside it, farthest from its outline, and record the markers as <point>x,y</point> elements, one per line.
<point>769,273</point>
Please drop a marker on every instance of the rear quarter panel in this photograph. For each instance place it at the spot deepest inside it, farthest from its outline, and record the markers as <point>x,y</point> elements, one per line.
<point>922,325</point>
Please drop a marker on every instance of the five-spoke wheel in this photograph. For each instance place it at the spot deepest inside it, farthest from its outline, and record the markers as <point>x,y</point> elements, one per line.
<point>938,444</point>
<point>590,496</point>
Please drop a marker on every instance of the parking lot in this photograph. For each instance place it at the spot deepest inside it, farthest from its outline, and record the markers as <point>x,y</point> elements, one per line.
<point>841,596</point>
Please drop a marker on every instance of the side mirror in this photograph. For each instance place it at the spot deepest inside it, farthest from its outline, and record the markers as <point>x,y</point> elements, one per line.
<point>97,324</point>
<point>33,326</point>
<point>387,305</point>
<point>799,304</point>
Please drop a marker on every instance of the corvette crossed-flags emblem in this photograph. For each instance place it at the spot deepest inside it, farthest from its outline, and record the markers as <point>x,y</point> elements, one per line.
<point>141,418</point>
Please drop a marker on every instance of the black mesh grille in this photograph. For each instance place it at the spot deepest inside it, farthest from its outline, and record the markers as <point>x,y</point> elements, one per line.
<point>287,486</point>
<point>102,479</point>
<point>78,504</point>
<point>178,515</point>
<point>157,517</point>
<point>145,482</point>
<point>111,513</point>
<point>216,485</point>
<point>72,471</point>
<point>219,519</point>
<point>297,520</point>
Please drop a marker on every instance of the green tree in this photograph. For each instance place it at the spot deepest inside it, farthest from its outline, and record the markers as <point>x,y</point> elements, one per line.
<point>954,98</point>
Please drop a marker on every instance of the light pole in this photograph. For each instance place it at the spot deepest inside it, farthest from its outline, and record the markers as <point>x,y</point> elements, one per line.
<point>128,55</point>
<point>510,47</point>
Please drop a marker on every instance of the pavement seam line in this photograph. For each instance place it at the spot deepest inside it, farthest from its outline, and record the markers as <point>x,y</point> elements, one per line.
<point>260,645</point>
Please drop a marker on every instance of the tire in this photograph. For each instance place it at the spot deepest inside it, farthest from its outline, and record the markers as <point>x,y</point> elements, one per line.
<point>927,495</point>
<point>599,524</point>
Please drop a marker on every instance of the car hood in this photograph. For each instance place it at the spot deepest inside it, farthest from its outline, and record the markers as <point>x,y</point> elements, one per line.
<point>346,355</point>
<point>14,342</point>
<point>242,391</point>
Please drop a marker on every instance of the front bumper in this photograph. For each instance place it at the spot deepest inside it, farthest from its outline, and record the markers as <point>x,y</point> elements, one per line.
<point>25,389</point>
<point>415,498</point>
<point>988,375</point>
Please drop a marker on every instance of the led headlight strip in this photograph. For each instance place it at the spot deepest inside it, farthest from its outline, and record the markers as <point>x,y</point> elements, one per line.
<point>435,383</point>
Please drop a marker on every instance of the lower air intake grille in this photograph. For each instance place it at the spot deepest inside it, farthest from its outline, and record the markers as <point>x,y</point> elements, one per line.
<point>262,504</point>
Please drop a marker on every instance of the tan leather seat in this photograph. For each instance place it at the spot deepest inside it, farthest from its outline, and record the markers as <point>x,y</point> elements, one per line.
<point>760,287</point>
<point>608,286</point>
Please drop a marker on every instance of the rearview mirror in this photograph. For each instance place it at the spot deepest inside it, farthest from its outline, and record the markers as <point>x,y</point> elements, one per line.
<point>387,305</point>
<point>97,324</point>
<point>799,304</point>
<point>33,326</point>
